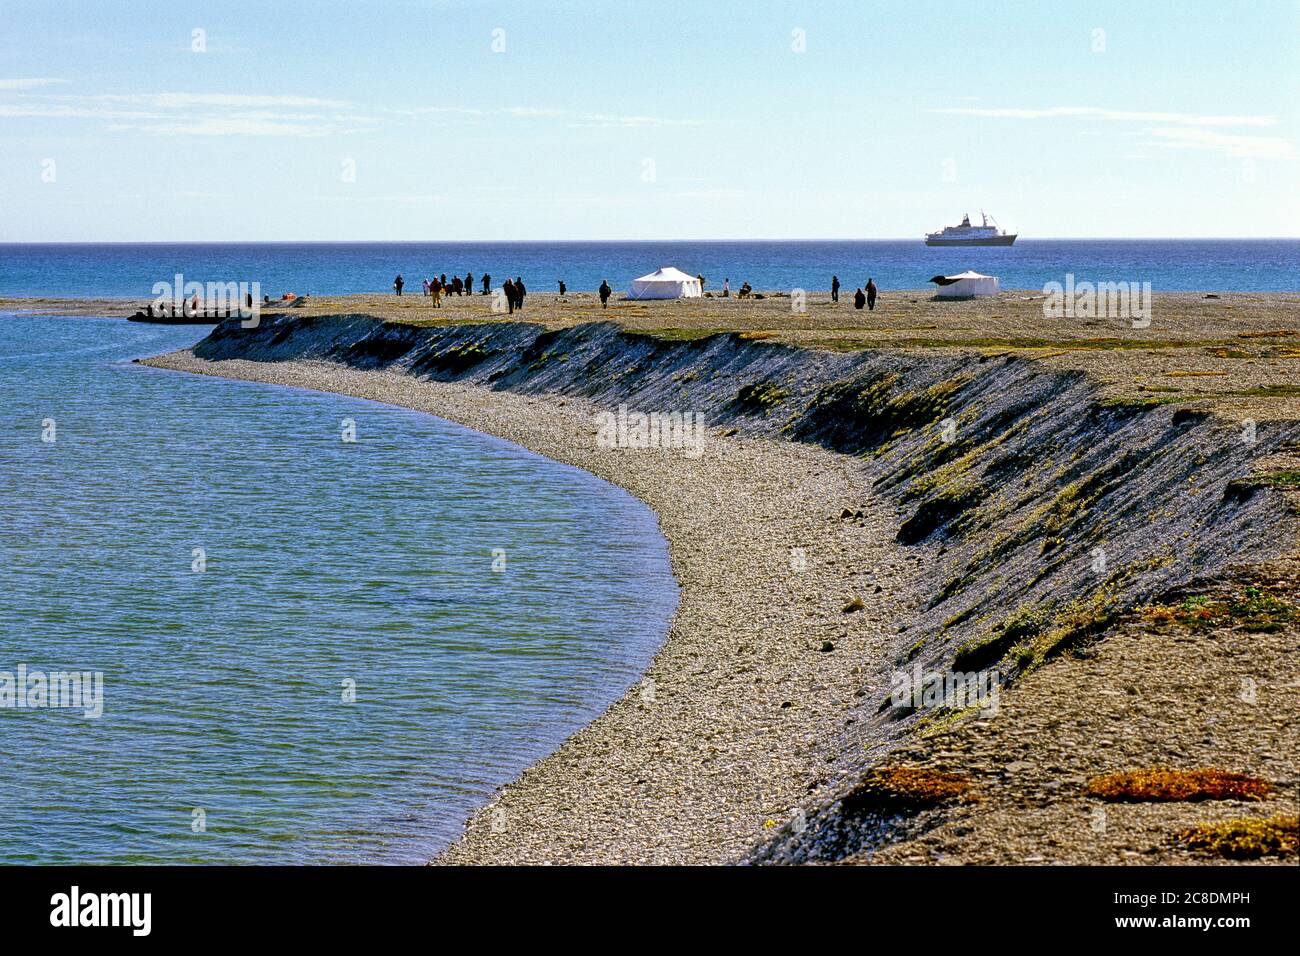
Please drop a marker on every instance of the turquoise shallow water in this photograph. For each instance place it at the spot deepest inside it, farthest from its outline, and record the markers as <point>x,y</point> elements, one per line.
<point>327,562</point>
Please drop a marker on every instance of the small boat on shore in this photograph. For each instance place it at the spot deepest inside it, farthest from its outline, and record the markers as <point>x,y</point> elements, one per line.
<point>964,234</point>
<point>160,317</point>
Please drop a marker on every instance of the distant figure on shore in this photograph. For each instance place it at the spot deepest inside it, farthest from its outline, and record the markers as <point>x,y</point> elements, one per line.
<point>397,284</point>
<point>425,287</point>
<point>457,286</point>
<point>561,282</point>
<point>487,284</point>
<point>835,288</point>
<point>859,300</point>
<point>605,293</point>
<point>520,292</point>
<point>435,290</point>
<point>744,291</point>
<point>871,295</point>
<point>701,278</point>
<point>469,283</point>
<point>726,288</point>
<point>509,290</point>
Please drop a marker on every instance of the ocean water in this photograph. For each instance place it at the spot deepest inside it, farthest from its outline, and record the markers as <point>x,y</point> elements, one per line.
<point>326,562</point>
<point>130,270</point>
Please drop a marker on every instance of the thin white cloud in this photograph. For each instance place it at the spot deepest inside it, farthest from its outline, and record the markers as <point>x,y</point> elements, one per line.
<point>226,126</point>
<point>1174,130</point>
<point>181,101</point>
<point>1238,146</point>
<point>171,113</point>
<point>1097,112</point>
<point>28,83</point>
<point>573,118</point>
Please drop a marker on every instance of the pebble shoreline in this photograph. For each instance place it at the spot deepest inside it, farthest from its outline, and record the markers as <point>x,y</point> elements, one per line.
<point>740,715</point>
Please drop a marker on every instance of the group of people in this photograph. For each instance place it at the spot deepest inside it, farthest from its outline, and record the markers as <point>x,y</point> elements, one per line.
<point>860,297</point>
<point>515,293</point>
<point>514,290</point>
<point>439,286</point>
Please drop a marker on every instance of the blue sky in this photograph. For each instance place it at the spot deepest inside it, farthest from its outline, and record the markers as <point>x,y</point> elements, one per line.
<point>341,120</point>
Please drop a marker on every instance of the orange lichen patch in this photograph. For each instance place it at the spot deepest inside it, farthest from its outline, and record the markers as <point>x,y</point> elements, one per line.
<point>1254,609</point>
<point>906,790</point>
<point>1275,333</point>
<point>1157,784</point>
<point>1190,374</point>
<point>1245,839</point>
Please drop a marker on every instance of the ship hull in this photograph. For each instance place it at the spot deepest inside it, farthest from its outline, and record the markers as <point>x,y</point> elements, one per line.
<point>981,241</point>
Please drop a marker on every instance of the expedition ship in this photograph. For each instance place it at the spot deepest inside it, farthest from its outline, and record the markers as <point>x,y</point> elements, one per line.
<point>988,234</point>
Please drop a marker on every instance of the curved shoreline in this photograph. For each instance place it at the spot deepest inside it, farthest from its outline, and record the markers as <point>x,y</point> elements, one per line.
<point>740,714</point>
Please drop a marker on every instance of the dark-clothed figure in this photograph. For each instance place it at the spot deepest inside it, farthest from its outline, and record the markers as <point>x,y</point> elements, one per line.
<point>835,288</point>
<point>562,288</point>
<point>397,285</point>
<point>509,290</point>
<point>871,295</point>
<point>487,283</point>
<point>469,283</point>
<point>605,293</point>
<point>520,292</point>
<point>859,300</point>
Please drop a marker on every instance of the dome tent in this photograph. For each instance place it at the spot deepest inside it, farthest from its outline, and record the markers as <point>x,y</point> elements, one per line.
<point>665,283</point>
<point>965,285</point>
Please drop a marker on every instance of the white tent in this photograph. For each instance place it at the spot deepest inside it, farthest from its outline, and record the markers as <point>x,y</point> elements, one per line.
<point>965,285</point>
<point>665,283</point>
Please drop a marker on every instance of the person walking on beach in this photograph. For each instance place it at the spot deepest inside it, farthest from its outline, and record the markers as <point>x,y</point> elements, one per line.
<point>605,293</point>
<point>859,300</point>
<point>397,284</point>
<point>520,292</point>
<point>487,283</point>
<point>835,288</point>
<point>871,295</point>
<point>424,287</point>
<point>509,290</point>
<point>435,290</point>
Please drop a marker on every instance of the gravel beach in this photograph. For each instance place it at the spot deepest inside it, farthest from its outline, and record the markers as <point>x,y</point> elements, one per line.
<point>738,718</point>
<point>810,577</point>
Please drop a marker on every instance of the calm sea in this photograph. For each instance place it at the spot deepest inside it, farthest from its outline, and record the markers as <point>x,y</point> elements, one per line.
<point>324,565</point>
<point>130,270</point>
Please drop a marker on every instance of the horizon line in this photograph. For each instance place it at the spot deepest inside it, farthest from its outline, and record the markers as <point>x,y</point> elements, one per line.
<point>359,242</point>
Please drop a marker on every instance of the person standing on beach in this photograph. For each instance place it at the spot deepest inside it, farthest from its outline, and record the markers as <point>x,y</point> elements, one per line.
<point>397,284</point>
<point>487,283</point>
<point>835,288</point>
<point>701,278</point>
<point>859,300</point>
<point>435,290</point>
<point>605,292</point>
<point>509,290</point>
<point>561,282</point>
<point>871,295</point>
<point>469,283</point>
<point>726,288</point>
<point>425,287</point>
<point>520,292</point>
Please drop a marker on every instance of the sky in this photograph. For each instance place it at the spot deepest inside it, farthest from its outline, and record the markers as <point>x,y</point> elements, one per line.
<point>134,120</point>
